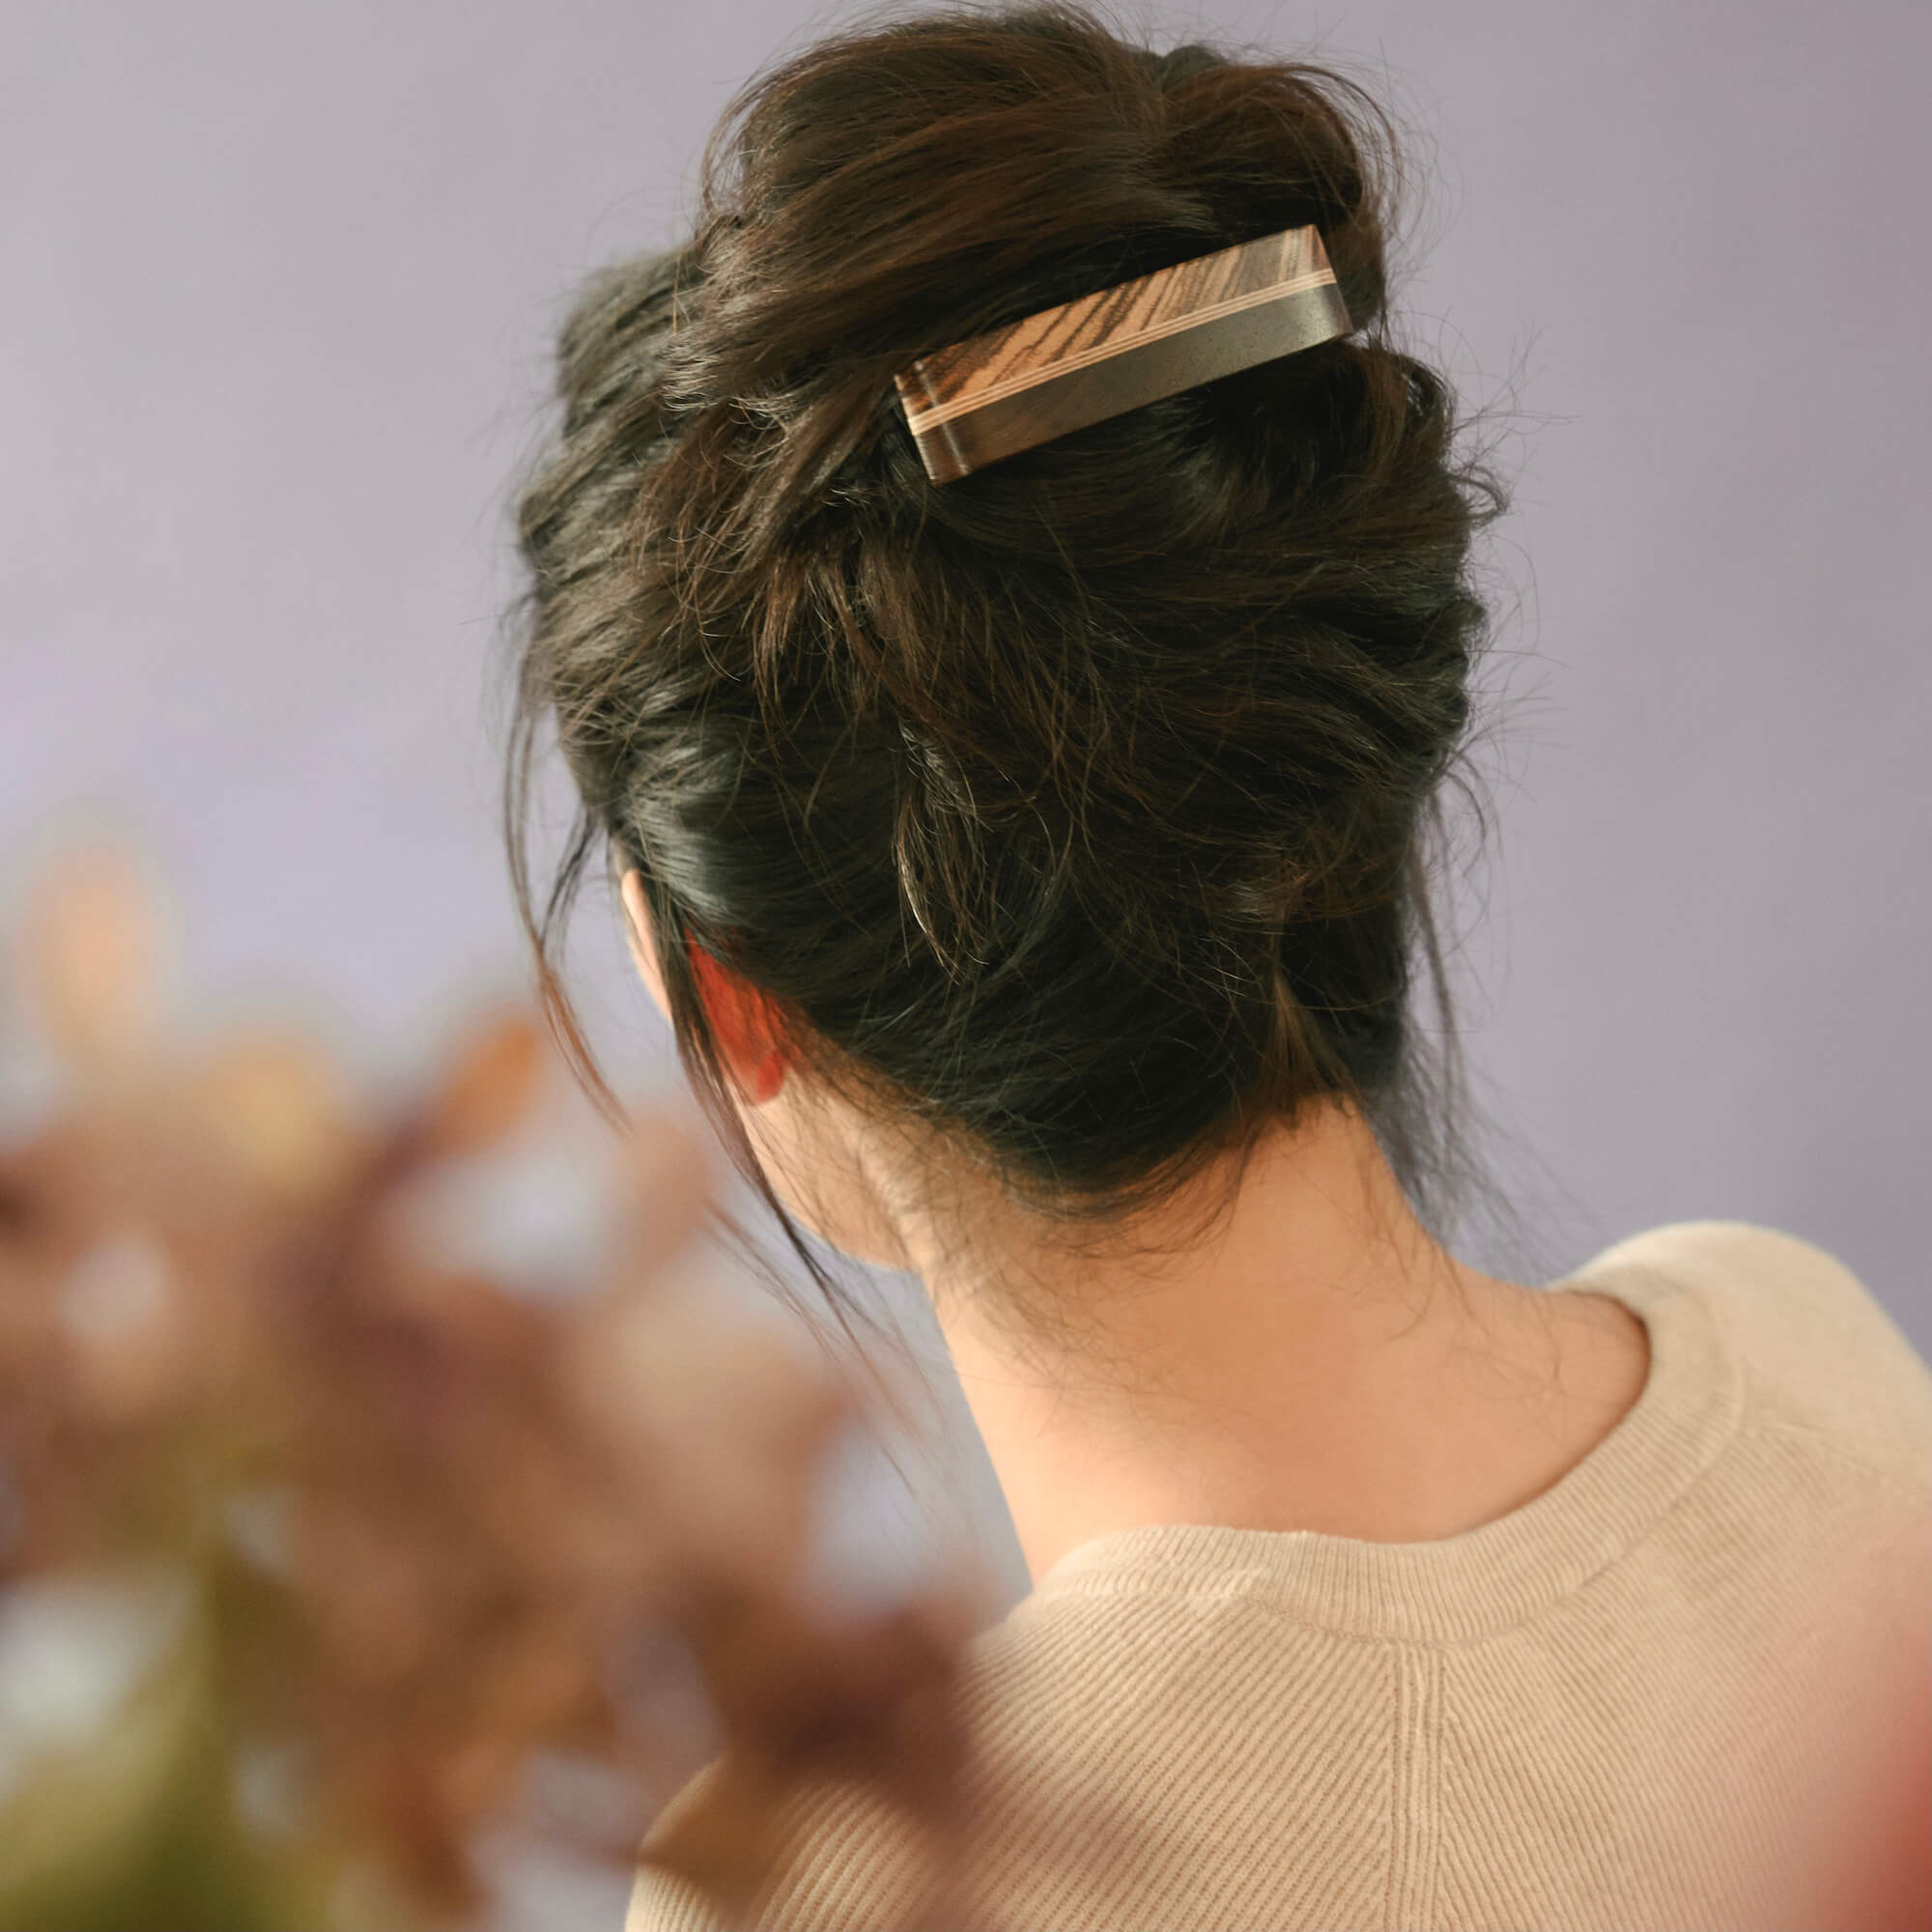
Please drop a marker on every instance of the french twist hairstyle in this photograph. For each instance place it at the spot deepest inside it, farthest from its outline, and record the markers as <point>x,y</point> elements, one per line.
<point>1077,809</point>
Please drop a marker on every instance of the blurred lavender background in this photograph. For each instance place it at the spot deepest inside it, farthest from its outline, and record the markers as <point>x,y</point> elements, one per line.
<point>281,287</point>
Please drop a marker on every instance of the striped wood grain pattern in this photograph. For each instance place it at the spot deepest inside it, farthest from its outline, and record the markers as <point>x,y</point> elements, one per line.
<point>1063,369</point>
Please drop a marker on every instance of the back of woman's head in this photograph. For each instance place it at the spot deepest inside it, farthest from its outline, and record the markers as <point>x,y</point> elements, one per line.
<point>1070,811</point>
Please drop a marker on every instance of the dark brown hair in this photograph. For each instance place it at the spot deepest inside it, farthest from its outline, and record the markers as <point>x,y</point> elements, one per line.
<point>1077,810</point>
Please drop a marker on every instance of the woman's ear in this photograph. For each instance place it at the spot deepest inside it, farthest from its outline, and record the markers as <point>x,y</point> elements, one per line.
<point>745,1022</point>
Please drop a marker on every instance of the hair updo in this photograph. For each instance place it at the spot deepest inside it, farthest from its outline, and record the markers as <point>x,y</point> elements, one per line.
<point>1074,810</point>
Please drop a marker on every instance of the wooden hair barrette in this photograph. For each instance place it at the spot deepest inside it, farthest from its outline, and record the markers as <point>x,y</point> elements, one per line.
<point>1063,369</point>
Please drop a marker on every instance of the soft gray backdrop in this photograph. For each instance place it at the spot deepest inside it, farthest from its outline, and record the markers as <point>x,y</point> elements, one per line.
<point>279,285</point>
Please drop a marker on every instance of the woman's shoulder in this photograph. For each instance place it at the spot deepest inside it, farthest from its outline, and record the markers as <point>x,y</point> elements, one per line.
<point>1821,1354</point>
<point>1030,1695</point>
<point>850,1858</point>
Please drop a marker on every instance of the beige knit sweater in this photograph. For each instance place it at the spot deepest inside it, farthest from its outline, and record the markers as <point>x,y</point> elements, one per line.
<point>1601,1710</point>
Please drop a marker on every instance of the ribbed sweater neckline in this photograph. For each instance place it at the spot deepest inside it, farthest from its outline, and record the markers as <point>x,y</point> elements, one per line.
<point>1488,1579</point>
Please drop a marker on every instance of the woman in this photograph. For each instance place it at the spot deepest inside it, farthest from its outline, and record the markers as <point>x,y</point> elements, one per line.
<point>1026,841</point>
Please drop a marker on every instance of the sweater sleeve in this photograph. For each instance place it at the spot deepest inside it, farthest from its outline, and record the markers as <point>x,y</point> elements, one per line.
<point>660,1901</point>
<point>663,1902</point>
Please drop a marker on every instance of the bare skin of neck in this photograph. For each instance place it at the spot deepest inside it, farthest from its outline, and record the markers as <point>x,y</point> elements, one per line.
<point>1307,1368</point>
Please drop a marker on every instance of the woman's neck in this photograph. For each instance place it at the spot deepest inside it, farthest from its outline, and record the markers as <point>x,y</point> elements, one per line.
<point>1319,1363</point>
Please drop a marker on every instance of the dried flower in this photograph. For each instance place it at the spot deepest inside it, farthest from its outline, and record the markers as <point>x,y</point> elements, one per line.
<point>418,1529</point>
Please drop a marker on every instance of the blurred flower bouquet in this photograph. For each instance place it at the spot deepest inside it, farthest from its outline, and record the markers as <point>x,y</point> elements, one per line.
<point>316,1548</point>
